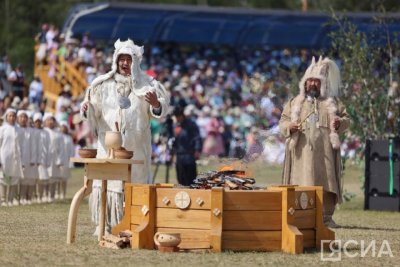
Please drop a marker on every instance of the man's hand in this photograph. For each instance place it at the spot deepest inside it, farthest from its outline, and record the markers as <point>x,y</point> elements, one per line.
<point>293,127</point>
<point>151,98</point>
<point>84,106</point>
<point>336,123</point>
<point>197,155</point>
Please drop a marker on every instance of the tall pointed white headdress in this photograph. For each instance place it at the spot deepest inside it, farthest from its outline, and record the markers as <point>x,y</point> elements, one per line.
<point>328,72</point>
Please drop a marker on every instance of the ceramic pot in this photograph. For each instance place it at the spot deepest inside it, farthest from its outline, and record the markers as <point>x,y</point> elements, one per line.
<point>87,153</point>
<point>123,154</point>
<point>167,239</point>
<point>113,140</point>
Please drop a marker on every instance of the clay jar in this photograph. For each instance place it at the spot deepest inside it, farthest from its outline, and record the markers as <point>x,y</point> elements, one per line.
<point>167,239</point>
<point>113,139</point>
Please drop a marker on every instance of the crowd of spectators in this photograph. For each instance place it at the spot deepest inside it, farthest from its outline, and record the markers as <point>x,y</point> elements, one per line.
<point>235,95</point>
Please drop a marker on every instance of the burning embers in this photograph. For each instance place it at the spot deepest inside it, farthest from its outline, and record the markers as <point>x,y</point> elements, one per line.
<point>227,177</point>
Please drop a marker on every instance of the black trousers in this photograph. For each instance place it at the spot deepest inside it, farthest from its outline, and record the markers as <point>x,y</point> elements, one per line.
<point>185,172</point>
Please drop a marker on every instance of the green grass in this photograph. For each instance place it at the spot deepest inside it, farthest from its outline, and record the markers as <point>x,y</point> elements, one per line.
<point>36,235</point>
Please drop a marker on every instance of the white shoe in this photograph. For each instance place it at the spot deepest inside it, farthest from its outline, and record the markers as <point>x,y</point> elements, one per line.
<point>15,202</point>
<point>23,202</point>
<point>107,231</point>
<point>29,202</point>
<point>4,204</point>
<point>96,231</point>
<point>38,200</point>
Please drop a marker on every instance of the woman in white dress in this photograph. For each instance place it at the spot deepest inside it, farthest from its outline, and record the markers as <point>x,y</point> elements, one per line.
<point>28,161</point>
<point>10,158</point>
<point>43,161</point>
<point>54,154</point>
<point>68,152</point>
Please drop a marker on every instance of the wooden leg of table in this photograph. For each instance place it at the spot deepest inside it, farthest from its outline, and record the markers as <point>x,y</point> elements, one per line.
<point>73,211</point>
<point>103,209</point>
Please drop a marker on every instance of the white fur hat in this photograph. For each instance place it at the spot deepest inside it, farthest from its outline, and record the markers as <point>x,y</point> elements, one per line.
<point>65,124</point>
<point>9,110</point>
<point>48,115</point>
<point>136,52</point>
<point>37,116</point>
<point>327,72</point>
<point>22,112</point>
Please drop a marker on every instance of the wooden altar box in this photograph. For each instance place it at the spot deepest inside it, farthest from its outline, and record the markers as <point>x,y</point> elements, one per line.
<point>282,218</point>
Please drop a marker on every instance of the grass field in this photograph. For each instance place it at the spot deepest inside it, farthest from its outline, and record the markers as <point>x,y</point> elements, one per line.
<point>36,235</point>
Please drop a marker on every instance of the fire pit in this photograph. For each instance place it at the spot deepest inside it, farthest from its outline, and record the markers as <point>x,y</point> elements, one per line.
<point>227,177</point>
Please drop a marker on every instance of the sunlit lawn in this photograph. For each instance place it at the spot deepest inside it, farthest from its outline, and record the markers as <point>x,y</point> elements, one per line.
<point>36,235</point>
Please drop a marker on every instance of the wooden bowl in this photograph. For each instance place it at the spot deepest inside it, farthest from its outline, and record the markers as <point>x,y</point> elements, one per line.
<point>123,154</point>
<point>87,153</point>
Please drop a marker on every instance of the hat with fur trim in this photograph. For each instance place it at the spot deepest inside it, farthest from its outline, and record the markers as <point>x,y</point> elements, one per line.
<point>327,72</point>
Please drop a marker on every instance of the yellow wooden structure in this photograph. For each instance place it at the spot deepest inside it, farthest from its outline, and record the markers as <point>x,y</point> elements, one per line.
<point>282,218</point>
<point>65,73</point>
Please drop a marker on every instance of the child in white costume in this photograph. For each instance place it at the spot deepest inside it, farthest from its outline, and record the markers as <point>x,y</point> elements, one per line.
<point>54,154</point>
<point>10,158</point>
<point>28,159</point>
<point>68,152</point>
<point>43,141</point>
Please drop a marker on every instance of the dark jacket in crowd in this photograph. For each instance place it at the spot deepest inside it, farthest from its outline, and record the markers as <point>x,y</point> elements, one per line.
<point>187,142</point>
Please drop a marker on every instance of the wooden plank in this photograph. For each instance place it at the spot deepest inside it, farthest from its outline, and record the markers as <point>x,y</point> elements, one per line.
<point>119,241</point>
<point>321,231</point>
<point>252,240</point>
<point>252,220</point>
<point>138,195</point>
<point>133,227</point>
<point>108,171</point>
<point>176,218</point>
<point>310,193</point>
<point>304,219</point>
<point>191,238</point>
<point>113,161</point>
<point>308,238</point>
<point>252,200</point>
<point>217,218</point>
<point>126,220</point>
<point>102,216</point>
<point>143,234</point>
<point>136,214</point>
<point>194,194</point>
<point>292,238</point>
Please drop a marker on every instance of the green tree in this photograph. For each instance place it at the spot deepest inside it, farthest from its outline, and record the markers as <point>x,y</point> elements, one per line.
<point>20,22</point>
<point>368,72</point>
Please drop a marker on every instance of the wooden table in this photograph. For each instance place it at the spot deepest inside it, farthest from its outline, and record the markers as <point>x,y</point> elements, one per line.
<point>99,169</point>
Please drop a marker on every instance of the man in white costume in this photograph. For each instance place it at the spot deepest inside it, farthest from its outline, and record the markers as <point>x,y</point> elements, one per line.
<point>10,158</point>
<point>67,152</point>
<point>128,96</point>
<point>28,159</point>
<point>54,154</point>
<point>42,147</point>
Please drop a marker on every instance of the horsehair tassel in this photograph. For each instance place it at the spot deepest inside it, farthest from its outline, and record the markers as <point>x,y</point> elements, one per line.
<point>116,126</point>
<point>316,116</point>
